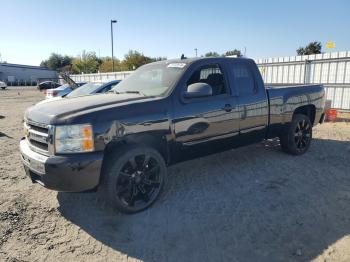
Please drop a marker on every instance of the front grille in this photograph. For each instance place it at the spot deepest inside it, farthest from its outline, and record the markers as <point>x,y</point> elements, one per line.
<point>37,136</point>
<point>41,129</point>
<point>42,146</point>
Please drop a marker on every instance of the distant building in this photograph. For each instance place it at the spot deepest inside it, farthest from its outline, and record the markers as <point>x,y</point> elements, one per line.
<point>14,74</point>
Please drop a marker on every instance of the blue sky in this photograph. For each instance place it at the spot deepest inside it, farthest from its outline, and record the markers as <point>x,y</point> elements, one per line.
<point>31,30</point>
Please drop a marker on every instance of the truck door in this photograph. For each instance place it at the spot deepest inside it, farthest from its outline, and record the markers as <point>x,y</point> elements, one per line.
<point>204,121</point>
<point>252,101</point>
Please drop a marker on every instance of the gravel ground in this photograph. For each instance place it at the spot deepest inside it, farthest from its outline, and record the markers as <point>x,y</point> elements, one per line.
<point>249,204</point>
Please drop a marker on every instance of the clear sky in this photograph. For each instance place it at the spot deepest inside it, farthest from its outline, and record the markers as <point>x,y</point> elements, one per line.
<point>30,30</point>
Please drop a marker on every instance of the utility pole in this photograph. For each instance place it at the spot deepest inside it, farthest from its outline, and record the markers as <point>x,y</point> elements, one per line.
<point>195,50</point>
<point>112,22</point>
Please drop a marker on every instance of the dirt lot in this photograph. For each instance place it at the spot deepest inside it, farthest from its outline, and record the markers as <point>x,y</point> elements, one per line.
<point>250,204</point>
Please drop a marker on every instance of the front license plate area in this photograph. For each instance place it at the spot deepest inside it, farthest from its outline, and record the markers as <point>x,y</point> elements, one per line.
<point>33,165</point>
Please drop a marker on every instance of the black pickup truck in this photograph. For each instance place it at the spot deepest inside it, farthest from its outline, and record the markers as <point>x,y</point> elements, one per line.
<point>120,143</point>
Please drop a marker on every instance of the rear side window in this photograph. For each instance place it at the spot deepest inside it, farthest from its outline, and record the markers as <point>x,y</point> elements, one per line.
<point>244,79</point>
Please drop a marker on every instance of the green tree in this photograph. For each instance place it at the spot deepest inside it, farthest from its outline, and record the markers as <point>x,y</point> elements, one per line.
<point>159,58</point>
<point>107,65</point>
<point>87,63</point>
<point>234,52</point>
<point>134,59</point>
<point>212,54</point>
<point>57,62</point>
<point>310,49</point>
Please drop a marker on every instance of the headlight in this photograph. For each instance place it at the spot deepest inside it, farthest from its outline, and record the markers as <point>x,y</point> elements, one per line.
<point>74,139</point>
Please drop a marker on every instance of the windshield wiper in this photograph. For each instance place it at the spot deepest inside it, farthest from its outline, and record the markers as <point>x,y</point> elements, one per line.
<point>130,92</point>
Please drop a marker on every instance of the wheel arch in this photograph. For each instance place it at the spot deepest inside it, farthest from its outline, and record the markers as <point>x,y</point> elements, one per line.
<point>157,142</point>
<point>308,110</point>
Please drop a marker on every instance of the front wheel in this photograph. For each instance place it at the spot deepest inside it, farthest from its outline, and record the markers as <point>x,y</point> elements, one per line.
<point>133,178</point>
<point>297,136</point>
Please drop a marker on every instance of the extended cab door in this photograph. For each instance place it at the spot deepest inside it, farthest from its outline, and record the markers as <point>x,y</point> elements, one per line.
<point>252,100</point>
<point>206,120</point>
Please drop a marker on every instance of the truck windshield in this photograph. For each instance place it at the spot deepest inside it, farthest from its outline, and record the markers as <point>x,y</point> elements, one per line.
<point>151,80</point>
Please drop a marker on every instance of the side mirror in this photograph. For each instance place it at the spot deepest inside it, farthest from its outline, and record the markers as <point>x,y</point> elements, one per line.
<point>198,90</point>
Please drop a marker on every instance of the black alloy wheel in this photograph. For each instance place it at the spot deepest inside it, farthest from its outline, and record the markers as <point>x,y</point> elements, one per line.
<point>296,137</point>
<point>133,178</point>
<point>302,135</point>
<point>138,181</point>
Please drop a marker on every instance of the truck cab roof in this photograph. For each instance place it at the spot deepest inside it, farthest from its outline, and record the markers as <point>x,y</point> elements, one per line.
<point>191,60</point>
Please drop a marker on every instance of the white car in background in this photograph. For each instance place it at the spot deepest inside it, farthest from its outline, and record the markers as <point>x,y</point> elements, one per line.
<point>3,85</point>
<point>86,89</point>
<point>60,91</point>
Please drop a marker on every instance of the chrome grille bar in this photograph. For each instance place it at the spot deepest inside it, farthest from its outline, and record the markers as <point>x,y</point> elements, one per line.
<point>37,136</point>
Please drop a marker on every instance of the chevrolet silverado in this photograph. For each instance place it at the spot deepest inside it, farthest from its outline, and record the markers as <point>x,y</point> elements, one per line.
<point>120,143</point>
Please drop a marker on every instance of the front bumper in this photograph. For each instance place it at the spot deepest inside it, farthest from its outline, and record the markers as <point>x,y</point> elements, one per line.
<point>69,173</point>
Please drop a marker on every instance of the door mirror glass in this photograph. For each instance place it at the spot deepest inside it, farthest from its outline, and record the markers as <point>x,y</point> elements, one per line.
<point>198,90</point>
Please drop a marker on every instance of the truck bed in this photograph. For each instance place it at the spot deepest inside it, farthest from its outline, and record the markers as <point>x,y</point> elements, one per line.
<point>283,100</point>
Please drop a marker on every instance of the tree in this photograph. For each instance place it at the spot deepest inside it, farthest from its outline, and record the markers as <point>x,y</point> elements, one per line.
<point>57,62</point>
<point>107,65</point>
<point>234,52</point>
<point>87,63</point>
<point>159,58</point>
<point>212,54</point>
<point>310,49</point>
<point>134,59</point>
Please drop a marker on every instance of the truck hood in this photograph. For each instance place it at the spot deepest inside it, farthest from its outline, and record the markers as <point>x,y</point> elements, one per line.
<point>49,100</point>
<point>50,111</point>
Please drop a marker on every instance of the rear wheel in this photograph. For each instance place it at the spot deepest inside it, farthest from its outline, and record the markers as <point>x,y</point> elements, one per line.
<point>133,178</point>
<point>297,136</point>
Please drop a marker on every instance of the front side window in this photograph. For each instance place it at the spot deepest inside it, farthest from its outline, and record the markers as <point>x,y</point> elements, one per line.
<point>211,75</point>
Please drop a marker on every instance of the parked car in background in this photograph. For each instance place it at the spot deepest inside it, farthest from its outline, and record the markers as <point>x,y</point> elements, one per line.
<point>86,89</point>
<point>57,92</point>
<point>48,85</point>
<point>60,91</point>
<point>93,88</point>
<point>3,85</point>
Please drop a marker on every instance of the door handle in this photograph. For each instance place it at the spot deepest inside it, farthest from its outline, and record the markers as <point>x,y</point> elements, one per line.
<point>228,108</point>
<point>244,112</point>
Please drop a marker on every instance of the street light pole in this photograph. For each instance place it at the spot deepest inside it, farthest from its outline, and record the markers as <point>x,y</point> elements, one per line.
<point>196,51</point>
<point>112,22</point>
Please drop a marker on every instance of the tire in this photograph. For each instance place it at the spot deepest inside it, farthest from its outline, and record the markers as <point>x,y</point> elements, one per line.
<point>297,136</point>
<point>132,178</point>
<point>3,87</point>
